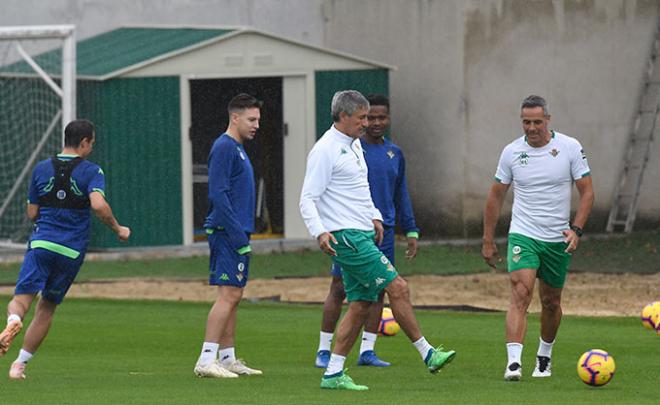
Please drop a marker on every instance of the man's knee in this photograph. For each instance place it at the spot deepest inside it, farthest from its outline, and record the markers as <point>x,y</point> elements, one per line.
<point>360,308</point>
<point>398,289</point>
<point>230,295</point>
<point>551,302</point>
<point>521,292</point>
<point>337,291</point>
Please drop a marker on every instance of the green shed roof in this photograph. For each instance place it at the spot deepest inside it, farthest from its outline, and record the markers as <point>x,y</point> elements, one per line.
<point>121,48</point>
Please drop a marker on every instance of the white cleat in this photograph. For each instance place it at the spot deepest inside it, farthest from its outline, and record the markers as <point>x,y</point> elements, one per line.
<point>240,368</point>
<point>543,367</point>
<point>513,372</point>
<point>17,371</point>
<point>213,370</point>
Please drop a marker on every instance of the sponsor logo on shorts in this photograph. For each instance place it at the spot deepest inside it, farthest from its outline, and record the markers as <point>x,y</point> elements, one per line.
<point>379,281</point>
<point>239,277</point>
<point>390,267</point>
<point>224,277</point>
<point>516,250</point>
<point>516,258</point>
<point>61,194</point>
<point>241,266</point>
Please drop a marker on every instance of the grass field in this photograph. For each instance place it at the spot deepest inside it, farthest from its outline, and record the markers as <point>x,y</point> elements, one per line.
<point>138,352</point>
<point>634,253</point>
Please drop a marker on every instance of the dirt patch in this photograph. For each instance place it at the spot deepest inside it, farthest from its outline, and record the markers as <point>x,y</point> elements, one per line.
<point>585,293</point>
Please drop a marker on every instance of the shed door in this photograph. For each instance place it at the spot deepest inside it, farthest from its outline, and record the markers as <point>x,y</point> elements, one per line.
<point>209,119</point>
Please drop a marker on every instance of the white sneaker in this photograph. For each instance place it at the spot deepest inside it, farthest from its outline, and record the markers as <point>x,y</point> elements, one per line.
<point>213,370</point>
<point>239,367</point>
<point>17,371</point>
<point>543,367</point>
<point>513,372</point>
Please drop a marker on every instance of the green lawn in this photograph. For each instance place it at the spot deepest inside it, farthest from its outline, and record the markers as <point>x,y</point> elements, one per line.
<point>635,253</point>
<point>139,352</point>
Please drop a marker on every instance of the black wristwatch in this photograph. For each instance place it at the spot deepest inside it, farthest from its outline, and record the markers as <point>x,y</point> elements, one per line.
<point>578,231</point>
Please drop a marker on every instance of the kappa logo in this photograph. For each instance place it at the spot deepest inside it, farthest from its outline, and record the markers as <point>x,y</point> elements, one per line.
<point>390,153</point>
<point>554,152</point>
<point>379,281</point>
<point>524,158</point>
<point>241,266</point>
<point>224,277</point>
<point>343,151</point>
<point>516,250</point>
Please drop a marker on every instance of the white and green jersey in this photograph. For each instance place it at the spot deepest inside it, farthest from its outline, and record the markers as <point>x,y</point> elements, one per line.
<point>542,180</point>
<point>335,193</point>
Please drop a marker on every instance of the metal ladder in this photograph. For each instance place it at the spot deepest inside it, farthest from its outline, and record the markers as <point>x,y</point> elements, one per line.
<point>626,193</point>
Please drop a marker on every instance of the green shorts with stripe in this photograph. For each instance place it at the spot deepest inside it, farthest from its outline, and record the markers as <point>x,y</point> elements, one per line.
<point>365,268</point>
<point>548,258</point>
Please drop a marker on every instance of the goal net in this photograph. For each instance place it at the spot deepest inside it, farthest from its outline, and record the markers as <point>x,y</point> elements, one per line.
<point>37,99</point>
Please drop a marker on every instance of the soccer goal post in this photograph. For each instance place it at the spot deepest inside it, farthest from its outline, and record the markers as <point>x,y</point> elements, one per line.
<point>37,100</point>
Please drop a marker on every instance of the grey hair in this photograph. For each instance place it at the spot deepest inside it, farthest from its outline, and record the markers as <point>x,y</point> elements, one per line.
<point>535,101</point>
<point>347,101</point>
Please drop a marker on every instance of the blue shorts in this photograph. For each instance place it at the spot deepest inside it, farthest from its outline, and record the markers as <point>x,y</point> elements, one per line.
<point>227,267</point>
<point>47,272</point>
<point>386,246</point>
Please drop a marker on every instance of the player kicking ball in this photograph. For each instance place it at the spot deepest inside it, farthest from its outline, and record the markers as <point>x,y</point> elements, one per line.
<point>62,191</point>
<point>338,210</point>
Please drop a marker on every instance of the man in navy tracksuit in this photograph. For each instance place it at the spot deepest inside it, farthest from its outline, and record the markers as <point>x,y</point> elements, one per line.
<point>229,224</point>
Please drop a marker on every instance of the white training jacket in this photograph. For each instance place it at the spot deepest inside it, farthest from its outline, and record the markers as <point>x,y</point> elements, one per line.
<point>335,193</point>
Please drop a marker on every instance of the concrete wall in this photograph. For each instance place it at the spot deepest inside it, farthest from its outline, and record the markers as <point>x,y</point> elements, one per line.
<point>463,68</point>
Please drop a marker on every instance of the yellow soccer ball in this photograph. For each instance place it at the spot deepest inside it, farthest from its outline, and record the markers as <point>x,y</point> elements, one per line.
<point>596,367</point>
<point>388,325</point>
<point>651,315</point>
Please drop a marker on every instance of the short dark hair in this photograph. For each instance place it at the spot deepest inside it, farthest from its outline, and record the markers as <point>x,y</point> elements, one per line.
<point>535,101</point>
<point>243,101</point>
<point>76,131</point>
<point>379,99</point>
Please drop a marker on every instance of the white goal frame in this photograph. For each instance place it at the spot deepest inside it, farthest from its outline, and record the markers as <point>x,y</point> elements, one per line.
<point>67,91</point>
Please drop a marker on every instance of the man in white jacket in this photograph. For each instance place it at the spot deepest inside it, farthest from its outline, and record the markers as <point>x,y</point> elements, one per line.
<point>337,208</point>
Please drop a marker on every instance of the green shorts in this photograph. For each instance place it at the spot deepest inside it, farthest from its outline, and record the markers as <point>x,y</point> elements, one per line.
<point>548,258</point>
<point>365,268</point>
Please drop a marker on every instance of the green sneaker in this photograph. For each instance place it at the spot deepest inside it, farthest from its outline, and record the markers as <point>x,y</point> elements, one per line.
<point>341,382</point>
<point>437,359</point>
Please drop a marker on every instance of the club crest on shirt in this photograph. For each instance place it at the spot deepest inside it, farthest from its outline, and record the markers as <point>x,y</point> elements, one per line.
<point>554,152</point>
<point>390,153</point>
<point>240,153</point>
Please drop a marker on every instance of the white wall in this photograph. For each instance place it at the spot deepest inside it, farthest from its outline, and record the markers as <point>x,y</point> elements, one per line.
<point>464,68</point>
